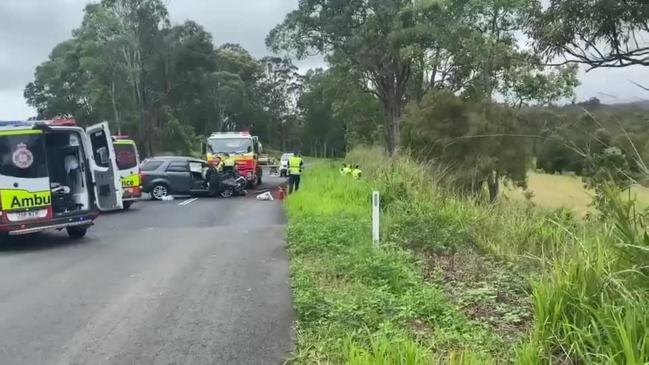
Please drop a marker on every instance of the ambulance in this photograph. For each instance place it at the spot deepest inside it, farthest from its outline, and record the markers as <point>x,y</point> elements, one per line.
<point>128,169</point>
<point>55,175</point>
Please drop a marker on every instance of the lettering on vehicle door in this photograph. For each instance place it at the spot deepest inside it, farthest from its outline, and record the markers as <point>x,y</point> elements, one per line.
<point>13,199</point>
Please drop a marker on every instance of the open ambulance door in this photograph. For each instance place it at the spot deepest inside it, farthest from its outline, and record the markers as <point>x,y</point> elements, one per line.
<point>103,162</point>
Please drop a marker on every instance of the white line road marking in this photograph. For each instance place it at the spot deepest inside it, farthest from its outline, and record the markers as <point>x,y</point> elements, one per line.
<point>188,201</point>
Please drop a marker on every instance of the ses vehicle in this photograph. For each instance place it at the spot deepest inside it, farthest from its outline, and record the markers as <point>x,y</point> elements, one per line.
<point>55,175</point>
<point>283,164</point>
<point>128,169</point>
<point>163,176</point>
<point>240,146</point>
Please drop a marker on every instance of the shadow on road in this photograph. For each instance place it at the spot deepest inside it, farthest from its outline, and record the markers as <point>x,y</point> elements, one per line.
<point>38,242</point>
<point>132,210</point>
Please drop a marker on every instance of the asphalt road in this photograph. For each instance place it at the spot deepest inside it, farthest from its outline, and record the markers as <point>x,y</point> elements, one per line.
<point>181,282</point>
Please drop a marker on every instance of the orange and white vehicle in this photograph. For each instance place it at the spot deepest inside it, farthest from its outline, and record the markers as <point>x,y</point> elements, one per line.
<point>241,147</point>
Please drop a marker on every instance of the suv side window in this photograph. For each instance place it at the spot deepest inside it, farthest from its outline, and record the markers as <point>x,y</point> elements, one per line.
<point>151,165</point>
<point>178,166</point>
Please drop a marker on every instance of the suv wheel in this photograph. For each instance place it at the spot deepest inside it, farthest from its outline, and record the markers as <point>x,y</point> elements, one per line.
<point>159,191</point>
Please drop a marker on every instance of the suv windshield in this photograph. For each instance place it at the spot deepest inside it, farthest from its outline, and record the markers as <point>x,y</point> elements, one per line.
<point>126,155</point>
<point>23,156</point>
<point>286,156</point>
<point>229,145</point>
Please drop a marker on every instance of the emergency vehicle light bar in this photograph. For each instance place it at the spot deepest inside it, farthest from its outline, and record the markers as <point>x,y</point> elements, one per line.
<point>231,134</point>
<point>63,121</point>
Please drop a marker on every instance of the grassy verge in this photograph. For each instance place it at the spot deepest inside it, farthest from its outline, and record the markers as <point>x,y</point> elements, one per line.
<point>359,304</point>
<point>457,281</point>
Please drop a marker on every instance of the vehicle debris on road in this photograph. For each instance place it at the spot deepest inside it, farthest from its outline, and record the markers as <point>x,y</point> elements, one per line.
<point>265,196</point>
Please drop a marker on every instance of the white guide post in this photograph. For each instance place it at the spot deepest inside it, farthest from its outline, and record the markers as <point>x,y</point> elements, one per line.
<point>376,211</point>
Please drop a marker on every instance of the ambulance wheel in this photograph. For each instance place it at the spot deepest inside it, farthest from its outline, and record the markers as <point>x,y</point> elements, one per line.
<point>77,232</point>
<point>127,205</point>
<point>159,191</point>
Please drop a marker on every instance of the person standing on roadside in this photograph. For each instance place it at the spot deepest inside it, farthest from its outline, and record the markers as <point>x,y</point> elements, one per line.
<point>357,172</point>
<point>295,167</point>
<point>346,170</point>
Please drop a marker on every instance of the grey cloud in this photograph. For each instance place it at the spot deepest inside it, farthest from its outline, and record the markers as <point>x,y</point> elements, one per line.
<point>29,29</point>
<point>614,85</point>
<point>244,21</point>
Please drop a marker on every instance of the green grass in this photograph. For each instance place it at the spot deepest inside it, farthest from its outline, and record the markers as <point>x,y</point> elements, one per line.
<point>458,281</point>
<point>357,303</point>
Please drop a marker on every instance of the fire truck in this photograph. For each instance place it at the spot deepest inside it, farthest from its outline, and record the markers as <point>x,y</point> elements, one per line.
<point>242,147</point>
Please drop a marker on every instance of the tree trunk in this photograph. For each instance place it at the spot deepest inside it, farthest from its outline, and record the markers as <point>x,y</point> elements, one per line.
<point>392,110</point>
<point>396,130</point>
<point>115,111</point>
<point>493,184</point>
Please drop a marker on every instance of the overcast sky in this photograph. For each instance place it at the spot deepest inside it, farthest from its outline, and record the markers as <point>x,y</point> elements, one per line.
<point>29,29</point>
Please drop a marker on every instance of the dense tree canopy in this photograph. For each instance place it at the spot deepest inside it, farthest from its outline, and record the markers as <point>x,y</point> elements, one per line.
<point>337,115</point>
<point>400,49</point>
<point>162,84</point>
<point>453,81</point>
<point>478,140</point>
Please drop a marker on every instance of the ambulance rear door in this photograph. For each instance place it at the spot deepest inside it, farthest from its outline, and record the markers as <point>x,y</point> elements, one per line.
<point>103,162</point>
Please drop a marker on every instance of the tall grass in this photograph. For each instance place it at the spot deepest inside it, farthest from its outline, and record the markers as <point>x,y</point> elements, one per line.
<point>589,280</point>
<point>359,304</point>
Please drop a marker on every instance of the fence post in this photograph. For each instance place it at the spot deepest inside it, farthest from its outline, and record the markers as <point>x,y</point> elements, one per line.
<point>376,211</point>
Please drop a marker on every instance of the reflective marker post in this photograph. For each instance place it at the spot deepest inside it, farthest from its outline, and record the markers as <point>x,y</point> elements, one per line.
<point>375,217</point>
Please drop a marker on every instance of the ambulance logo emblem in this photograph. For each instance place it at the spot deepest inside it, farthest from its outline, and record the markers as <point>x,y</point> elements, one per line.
<point>22,157</point>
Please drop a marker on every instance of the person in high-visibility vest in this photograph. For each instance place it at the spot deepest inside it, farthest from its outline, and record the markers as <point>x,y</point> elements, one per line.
<point>295,167</point>
<point>346,170</point>
<point>357,172</point>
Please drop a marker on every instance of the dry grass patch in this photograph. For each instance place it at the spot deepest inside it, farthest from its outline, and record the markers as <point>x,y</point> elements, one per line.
<point>565,191</point>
